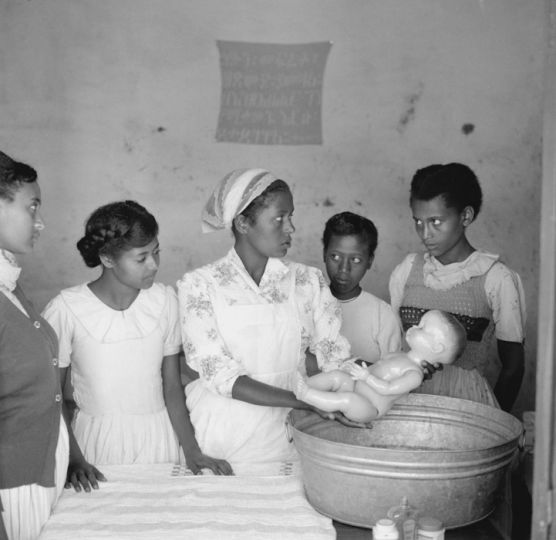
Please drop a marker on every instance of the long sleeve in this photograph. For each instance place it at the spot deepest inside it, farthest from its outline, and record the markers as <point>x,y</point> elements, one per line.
<point>327,343</point>
<point>204,348</point>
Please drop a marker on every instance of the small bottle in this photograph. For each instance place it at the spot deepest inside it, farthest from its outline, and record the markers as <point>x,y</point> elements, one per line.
<point>405,517</point>
<point>429,528</point>
<point>385,529</point>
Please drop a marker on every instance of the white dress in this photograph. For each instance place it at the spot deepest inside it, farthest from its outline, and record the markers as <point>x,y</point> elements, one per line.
<point>116,359</point>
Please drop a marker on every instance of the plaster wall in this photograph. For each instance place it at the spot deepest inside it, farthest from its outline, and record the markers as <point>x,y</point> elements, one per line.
<point>120,99</point>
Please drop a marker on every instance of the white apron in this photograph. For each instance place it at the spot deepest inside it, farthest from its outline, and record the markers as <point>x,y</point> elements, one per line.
<point>267,339</point>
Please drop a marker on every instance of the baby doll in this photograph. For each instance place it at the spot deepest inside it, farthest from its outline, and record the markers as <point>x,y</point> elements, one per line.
<point>365,393</point>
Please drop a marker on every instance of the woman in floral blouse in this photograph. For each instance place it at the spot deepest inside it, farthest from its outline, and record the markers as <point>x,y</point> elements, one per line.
<point>248,321</point>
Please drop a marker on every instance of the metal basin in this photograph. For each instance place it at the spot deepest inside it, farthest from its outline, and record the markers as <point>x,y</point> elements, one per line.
<point>448,456</point>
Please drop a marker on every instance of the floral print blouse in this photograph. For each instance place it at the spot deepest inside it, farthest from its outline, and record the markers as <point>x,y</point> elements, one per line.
<point>204,347</point>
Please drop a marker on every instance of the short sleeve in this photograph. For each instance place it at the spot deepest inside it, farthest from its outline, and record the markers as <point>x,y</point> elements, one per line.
<point>60,318</point>
<point>506,298</point>
<point>204,347</point>
<point>172,331</point>
<point>398,279</point>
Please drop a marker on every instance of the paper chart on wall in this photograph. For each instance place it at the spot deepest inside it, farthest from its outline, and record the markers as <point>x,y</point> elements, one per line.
<point>271,93</point>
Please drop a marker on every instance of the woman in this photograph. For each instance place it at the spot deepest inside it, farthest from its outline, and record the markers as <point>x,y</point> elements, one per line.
<point>120,333</point>
<point>248,321</point>
<point>475,286</point>
<point>34,441</point>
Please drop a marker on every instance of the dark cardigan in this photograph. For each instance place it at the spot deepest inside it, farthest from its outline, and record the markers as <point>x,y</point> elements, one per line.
<point>30,396</point>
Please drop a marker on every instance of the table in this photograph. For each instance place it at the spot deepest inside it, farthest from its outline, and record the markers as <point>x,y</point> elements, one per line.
<point>168,502</point>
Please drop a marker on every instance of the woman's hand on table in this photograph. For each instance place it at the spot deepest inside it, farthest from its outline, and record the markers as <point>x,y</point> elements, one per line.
<point>197,461</point>
<point>83,475</point>
<point>430,369</point>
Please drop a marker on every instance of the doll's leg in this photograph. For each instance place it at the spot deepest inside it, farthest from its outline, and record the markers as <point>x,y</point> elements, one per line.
<point>352,405</point>
<point>333,381</point>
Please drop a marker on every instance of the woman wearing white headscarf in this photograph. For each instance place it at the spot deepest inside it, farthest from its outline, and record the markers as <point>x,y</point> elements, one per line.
<point>248,320</point>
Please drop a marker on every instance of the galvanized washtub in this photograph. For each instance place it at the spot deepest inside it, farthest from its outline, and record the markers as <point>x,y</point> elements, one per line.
<point>448,456</point>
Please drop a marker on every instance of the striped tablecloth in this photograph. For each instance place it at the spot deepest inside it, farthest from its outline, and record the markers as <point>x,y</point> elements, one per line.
<point>168,502</point>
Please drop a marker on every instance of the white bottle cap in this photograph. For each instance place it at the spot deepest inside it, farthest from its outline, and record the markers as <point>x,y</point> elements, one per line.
<point>384,526</point>
<point>430,524</point>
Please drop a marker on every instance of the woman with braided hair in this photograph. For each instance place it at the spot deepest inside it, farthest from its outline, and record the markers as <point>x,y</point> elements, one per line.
<point>120,333</point>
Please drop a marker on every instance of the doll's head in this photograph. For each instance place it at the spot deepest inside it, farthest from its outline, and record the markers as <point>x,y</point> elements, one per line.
<point>455,183</point>
<point>439,337</point>
<point>116,228</point>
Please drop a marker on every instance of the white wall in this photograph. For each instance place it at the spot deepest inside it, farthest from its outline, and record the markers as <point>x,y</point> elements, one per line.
<point>86,85</point>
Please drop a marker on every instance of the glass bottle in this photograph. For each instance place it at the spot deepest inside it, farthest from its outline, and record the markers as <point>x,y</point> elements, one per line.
<point>405,517</point>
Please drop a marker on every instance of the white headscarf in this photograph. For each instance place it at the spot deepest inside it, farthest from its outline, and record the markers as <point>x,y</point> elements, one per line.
<point>232,196</point>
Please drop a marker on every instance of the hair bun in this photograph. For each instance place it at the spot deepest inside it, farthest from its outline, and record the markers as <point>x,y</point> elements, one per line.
<point>116,227</point>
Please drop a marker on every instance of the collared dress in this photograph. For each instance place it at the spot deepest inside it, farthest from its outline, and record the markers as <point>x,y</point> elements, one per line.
<point>116,360</point>
<point>232,327</point>
<point>483,294</point>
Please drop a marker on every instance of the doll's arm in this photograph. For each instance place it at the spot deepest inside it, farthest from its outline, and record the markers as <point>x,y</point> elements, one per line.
<point>410,380</point>
<point>356,371</point>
